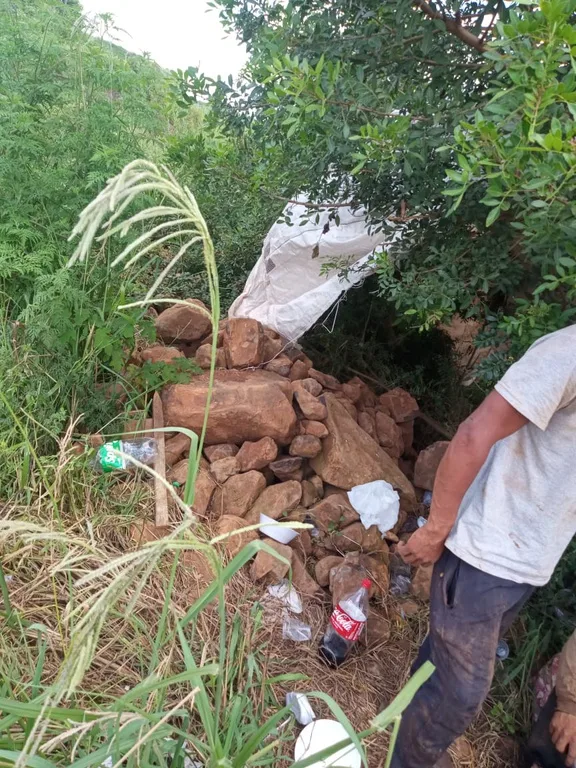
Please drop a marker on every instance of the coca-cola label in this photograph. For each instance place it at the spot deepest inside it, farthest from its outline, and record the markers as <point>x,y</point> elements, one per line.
<point>347,627</point>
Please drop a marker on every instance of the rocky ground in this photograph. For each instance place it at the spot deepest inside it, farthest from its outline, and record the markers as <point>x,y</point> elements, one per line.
<point>289,441</point>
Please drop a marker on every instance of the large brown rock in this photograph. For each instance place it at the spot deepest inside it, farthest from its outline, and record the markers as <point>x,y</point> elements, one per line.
<point>356,538</point>
<point>158,353</point>
<point>315,428</point>
<point>306,446</point>
<point>245,405</point>
<point>309,494</point>
<point>324,566</point>
<point>353,390</point>
<point>176,447</point>
<point>235,543</point>
<point>327,381</point>
<point>333,513</point>
<point>224,468</point>
<point>272,347</point>
<point>399,404</point>
<point>203,357</point>
<point>427,464</point>
<point>350,457</point>
<point>367,398</point>
<point>238,494</point>
<point>277,500</point>
<point>310,406</point>
<point>348,404</point>
<point>243,343</point>
<point>280,365</point>
<point>298,371</point>
<point>178,473</point>
<point>265,567</point>
<point>184,323</point>
<point>302,544</point>
<point>389,435</point>
<point>368,423</point>
<point>301,579</point>
<point>422,581</point>
<point>220,451</point>
<point>257,455</point>
<point>310,385</point>
<point>287,468</point>
<point>203,492</point>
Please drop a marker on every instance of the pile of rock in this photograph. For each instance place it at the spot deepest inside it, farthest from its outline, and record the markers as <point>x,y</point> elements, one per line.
<point>288,441</point>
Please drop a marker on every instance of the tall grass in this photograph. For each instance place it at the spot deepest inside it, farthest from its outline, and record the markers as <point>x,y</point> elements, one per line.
<point>187,680</point>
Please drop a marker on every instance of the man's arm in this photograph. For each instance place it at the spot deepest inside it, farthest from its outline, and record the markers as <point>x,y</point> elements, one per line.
<point>563,725</point>
<point>494,420</point>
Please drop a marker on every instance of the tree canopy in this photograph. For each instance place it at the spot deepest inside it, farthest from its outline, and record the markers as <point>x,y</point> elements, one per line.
<point>454,120</point>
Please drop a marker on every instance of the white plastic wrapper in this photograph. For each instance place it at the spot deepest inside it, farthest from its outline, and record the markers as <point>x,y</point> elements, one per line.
<point>377,503</point>
<point>300,707</point>
<point>296,630</point>
<point>286,595</point>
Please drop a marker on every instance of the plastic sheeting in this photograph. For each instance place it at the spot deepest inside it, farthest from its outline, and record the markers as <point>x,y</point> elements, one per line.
<point>286,290</point>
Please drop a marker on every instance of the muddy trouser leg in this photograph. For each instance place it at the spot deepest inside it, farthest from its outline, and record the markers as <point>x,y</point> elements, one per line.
<point>468,611</point>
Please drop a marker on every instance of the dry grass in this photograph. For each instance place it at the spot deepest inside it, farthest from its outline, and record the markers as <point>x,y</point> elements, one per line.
<point>368,681</point>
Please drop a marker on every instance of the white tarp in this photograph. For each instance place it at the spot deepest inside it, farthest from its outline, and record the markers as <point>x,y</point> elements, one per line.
<point>286,290</point>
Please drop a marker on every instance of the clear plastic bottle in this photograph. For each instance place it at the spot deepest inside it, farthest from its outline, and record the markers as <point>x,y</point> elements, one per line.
<point>345,627</point>
<point>143,449</point>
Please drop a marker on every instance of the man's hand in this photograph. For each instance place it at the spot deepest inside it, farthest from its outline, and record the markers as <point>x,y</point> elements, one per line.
<point>563,732</point>
<point>424,547</point>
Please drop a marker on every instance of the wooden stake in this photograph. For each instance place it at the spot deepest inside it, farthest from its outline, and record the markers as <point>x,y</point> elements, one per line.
<point>160,464</point>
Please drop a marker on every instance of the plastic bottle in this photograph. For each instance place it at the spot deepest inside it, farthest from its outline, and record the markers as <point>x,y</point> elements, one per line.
<point>143,449</point>
<point>345,626</point>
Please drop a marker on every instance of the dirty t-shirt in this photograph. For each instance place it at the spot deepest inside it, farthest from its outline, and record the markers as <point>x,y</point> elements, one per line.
<point>519,514</point>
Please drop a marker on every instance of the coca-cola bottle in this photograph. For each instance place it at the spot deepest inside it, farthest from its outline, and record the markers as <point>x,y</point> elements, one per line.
<point>345,626</point>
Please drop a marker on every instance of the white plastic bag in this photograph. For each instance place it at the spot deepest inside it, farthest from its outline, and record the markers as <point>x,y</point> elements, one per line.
<point>296,630</point>
<point>288,290</point>
<point>377,503</point>
<point>301,707</point>
<point>287,595</point>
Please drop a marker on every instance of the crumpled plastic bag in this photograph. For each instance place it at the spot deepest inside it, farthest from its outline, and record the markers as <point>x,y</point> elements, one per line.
<point>300,707</point>
<point>377,503</point>
<point>296,630</point>
<point>287,595</point>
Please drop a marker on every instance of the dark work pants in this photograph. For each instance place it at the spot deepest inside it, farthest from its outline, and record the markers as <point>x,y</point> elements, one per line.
<point>541,751</point>
<point>469,611</point>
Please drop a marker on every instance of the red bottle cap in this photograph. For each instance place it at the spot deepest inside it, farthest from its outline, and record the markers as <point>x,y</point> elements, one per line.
<point>366,583</point>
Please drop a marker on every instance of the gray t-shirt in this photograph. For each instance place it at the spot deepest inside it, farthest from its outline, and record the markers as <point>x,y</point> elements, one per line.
<point>519,514</point>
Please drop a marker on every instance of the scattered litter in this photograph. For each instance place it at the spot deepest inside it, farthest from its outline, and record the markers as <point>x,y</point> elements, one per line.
<point>346,625</point>
<point>427,498</point>
<point>300,707</point>
<point>503,650</point>
<point>400,573</point>
<point>108,763</point>
<point>281,534</point>
<point>421,521</point>
<point>320,735</point>
<point>377,503</point>
<point>115,456</point>
<point>296,630</point>
<point>287,595</point>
